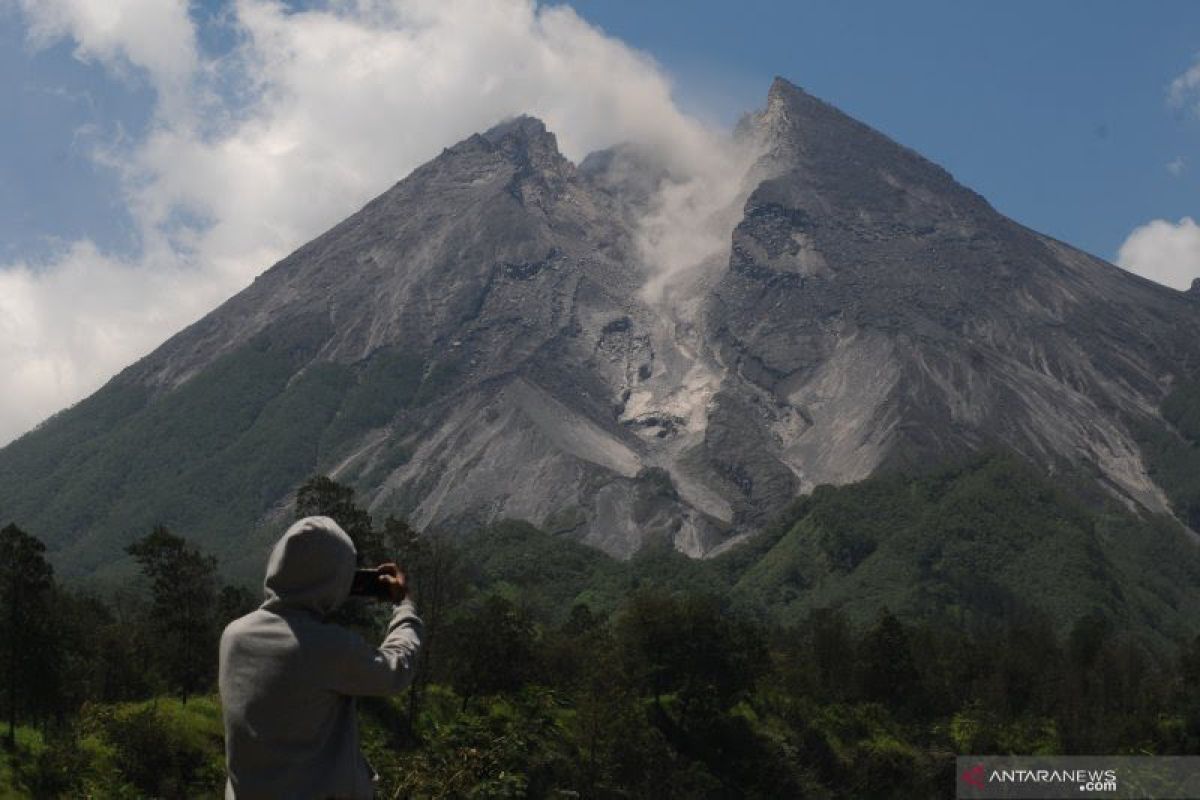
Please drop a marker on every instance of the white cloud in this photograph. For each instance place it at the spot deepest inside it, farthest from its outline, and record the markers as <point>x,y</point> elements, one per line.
<point>68,328</point>
<point>1164,251</point>
<point>154,36</point>
<point>327,108</point>
<point>1184,89</point>
<point>1176,166</point>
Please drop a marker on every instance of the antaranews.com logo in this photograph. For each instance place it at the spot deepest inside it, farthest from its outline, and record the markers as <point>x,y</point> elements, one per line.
<point>1118,777</point>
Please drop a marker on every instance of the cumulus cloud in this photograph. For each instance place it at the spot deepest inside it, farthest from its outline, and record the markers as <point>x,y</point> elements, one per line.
<point>1184,89</point>
<point>252,152</point>
<point>1164,251</point>
<point>68,328</point>
<point>129,37</point>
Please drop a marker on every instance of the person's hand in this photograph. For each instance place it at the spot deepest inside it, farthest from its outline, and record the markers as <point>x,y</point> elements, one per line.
<point>396,580</point>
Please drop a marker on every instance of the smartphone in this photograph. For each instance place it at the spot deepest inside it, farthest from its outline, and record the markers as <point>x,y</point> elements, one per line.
<point>367,584</point>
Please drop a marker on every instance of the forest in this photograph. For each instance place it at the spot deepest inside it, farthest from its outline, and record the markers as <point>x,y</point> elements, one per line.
<point>552,670</point>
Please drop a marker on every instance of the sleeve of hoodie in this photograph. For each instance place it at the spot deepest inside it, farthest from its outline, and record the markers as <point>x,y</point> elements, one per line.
<point>360,669</point>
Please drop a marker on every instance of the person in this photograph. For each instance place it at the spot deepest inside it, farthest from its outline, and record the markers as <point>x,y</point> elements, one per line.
<point>288,678</point>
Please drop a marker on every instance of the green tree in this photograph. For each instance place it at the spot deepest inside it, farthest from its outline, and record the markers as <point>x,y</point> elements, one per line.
<point>234,602</point>
<point>688,647</point>
<point>26,583</point>
<point>490,649</point>
<point>102,652</point>
<point>183,607</point>
<point>886,668</point>
<point>436,580</point>
<point>323,497</point>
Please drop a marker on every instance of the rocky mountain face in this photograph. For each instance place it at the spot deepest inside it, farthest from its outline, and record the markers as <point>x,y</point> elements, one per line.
<point>479,342</point>
<point>893,316</point>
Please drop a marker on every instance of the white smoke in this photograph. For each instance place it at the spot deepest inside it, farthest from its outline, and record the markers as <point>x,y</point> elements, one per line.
<point>252,152</point>
<point>691,219</point>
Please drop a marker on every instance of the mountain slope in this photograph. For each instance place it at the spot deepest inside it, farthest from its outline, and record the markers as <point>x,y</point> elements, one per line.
<point>981,542</point>
<point>470,319</point>
<point>902,319</point>
<point>478,342</point>
<point>985,540</point>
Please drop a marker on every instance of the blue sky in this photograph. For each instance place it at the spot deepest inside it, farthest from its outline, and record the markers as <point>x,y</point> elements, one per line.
<point>158,153</point>
<point>1056,112</point>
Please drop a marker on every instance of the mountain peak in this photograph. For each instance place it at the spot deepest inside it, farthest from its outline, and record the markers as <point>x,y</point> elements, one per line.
<point>523,140</point>
<point>829,151</point>
<point>783,89</point>
<point>800,125</point>
<point>519,128</point>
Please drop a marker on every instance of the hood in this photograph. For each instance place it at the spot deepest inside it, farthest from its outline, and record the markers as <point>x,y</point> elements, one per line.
<point>311,567</point>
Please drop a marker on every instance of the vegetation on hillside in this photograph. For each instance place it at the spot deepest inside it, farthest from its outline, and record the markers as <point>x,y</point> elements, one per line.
<point>217,451</point>
<point>980,543</point>
<point>976,544</point>
<point>851,650</point>
<point>1173,453</point>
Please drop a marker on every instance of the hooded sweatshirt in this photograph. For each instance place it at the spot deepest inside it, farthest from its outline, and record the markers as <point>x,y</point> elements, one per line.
<point>288,679</point>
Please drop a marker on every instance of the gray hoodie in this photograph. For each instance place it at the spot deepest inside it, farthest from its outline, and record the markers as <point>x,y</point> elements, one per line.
<point>288,679</point>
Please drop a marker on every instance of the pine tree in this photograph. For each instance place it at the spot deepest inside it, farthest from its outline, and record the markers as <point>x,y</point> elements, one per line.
<point>26,583</point>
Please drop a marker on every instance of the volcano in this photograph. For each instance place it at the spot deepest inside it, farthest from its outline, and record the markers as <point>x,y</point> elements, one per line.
<point>480,342</point>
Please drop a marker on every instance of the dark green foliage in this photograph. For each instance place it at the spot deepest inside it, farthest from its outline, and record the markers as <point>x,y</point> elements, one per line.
<point>546,573</point>
<point>61,767</point>
<point>551,669</point>
<point>28,649</point>
<point>493,645</point>
<point>234,602</point>
<point>511,749</point>
<point>984,541</point>
<point>437,580</point>
<point>224,447</point>
<point>885,667</point>
<point>689,648</point>
<point>37,461</point>
<point>1173,454</point>
<point>323,497</point>
<point>981,541</point>
<point>197,455</point>
<point>386,382</point>
<point>552,574</point>
<point>183,608</point>
<point>161,751</point>
<point>109,649</point>
<point>1182,409</point>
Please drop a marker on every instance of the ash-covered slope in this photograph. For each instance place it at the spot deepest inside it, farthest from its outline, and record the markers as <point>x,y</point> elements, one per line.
<point>893,317</point>
<point>479,342</point>
<point>458,350</point>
